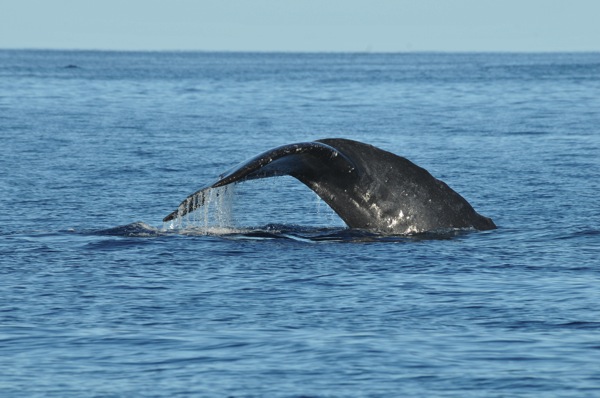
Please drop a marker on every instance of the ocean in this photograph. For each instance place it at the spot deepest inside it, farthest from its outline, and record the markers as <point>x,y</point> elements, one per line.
<point>267,293</point>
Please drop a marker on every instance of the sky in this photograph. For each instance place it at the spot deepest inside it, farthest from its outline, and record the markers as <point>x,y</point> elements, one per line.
<point>302,25</point>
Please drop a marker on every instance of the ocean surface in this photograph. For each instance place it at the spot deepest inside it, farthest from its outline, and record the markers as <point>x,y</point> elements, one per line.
<point>267,293</point>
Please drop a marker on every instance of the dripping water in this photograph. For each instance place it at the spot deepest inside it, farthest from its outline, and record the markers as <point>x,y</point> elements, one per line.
<point>242,207</point>
<point>214,215</point>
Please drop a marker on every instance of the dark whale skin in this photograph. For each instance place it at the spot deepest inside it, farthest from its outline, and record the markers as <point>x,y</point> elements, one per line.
<point>369,188</point>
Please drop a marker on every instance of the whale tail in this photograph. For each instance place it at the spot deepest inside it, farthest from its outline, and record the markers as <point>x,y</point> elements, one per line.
<point>369,188</point>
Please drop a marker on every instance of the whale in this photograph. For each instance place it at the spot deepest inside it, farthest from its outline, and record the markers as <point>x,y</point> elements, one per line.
<point>369,188</point>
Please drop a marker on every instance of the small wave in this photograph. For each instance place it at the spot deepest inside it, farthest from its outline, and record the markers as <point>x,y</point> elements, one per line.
<point>277,231</point>
<point>317,235</point>
<point>581,233</point>
<point>136,229</point>
<point>210,231</point>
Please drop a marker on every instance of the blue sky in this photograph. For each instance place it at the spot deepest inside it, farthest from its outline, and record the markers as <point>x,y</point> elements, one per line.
<point>302,25</point>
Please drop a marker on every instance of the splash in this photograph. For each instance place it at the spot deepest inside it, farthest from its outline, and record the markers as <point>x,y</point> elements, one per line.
<point>253,208</point>
<point>213,216</point>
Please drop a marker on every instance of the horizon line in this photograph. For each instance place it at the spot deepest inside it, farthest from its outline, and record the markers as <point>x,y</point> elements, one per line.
<point>75,49</point>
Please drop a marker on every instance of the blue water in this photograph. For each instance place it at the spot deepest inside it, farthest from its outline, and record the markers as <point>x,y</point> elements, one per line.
<point>276,298</point>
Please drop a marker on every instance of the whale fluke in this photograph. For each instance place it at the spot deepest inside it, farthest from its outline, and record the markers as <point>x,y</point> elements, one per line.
<point>369,188</point>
